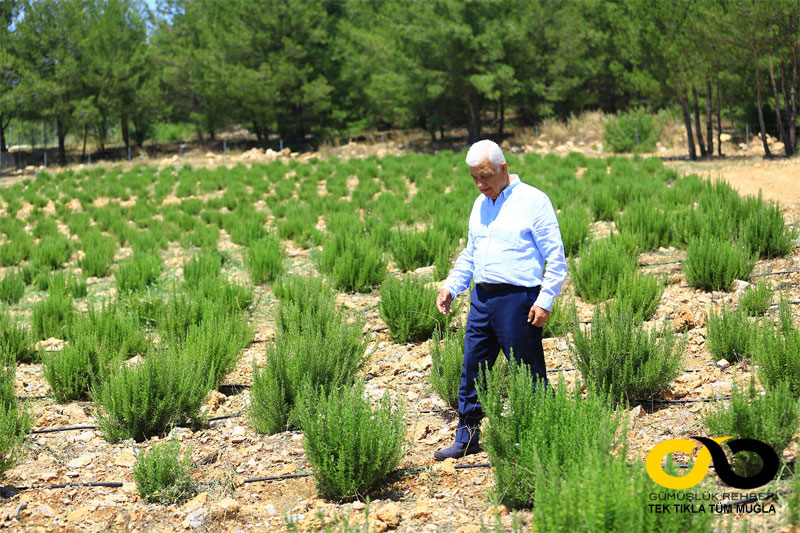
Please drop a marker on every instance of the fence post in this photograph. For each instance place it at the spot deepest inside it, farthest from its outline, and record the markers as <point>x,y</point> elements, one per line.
<point>224,149</point>
<point>536,128</point>
<point>281,143</point>
<point>45,158</point>
<point>129,153</point>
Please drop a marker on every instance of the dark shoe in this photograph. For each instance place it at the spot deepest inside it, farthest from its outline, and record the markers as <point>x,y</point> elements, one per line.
<point>456,451</point>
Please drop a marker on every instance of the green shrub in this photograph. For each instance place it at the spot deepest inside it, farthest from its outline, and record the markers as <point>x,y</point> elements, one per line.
<point>12,287</point>
<point>350,445</point>
<point>640,292</point>
<point>14,419</point>
<point>138,272</point>
<point>603,202</point>
<point>408,307</point>
<point>413,249</point>
<point>618,356</point>
<point>601,265</point>
<point>352,262</point>
<point>631,131</point>
<point>201,267</point>
<point>730,335</point>
<point>98,255</point>
<point>203,236</point>
<point>772,418</point>
<point>265,260</point>
<point>650,227</point>
<point>17,250</point>
<point>50,317</point>
<point>113,331</point>
<point>52,252</point>
<point>765,233</point>
<point>45,227</point>
<point>562,315</point>
<point>70,372</point>
<point>447,360</point>
<point>230,296</point>
<point>16,340</point>
<point>602,492</point>
<point>526,424</point>
<point>141,401</point>
<point>163,476</point>
<point>310,292</point>
<point>777,351</point>
<point>215,344</point>
<point>713,264</point>
<point>756,299</point>
<point>324,351</point>
<point>575,231</point>
<point>794,501</point>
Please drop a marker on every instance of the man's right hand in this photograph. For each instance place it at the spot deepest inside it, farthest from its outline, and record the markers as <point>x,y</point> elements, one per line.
<point>443,301</point>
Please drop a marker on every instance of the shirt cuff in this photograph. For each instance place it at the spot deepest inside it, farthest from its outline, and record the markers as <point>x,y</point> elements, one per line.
<point>545,301</point>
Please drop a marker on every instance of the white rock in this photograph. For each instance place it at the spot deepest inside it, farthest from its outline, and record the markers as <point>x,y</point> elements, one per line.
<point>722,363</point>
<point>740,286</point>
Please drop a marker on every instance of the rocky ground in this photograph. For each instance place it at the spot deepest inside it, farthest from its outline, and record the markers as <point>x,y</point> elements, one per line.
<point>422,496</point>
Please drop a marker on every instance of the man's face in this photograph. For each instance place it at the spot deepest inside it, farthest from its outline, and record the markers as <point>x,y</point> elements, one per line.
<point>488,180</point>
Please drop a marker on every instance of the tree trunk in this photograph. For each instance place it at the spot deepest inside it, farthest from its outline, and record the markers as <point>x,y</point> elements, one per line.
<point>687,120</point>
<point>709,118</point>
<point>793,113</point>
<point>697,122</point>
<point>441,132</point>
<point>125,133</point>
<point>3,133</point>
<point>502,115</point>
<point>778,117</point>
<point>787,107</point>
<point>85,131</point>
<point>257,131</point>
<point>62,152</point>
<point>474,103</point>
<point>759,103</point>
<point>719,118</point>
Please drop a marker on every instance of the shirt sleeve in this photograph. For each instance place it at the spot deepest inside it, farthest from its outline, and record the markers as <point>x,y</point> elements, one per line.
<point>547,235</point>
<point>461,275</point>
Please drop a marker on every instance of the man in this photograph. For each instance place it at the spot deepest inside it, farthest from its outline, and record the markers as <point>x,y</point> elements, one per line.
<point>513,234</point>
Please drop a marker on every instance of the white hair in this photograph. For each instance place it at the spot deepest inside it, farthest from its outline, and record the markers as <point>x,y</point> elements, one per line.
<point>483,150</point>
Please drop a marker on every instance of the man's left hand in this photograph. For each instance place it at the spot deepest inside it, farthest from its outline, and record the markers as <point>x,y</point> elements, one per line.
<point>538,316</point>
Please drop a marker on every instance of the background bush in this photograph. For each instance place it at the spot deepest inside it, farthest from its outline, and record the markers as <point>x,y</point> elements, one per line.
<point>408,307</point>
<point>731,335</point>
<point>562,315</point>
<point>600,267</point>
<point>713,264</point>
<point>350,445</point>
<point>50,317</point>
<point>265,260</point>
<point>12,287</point>
<point>163,476</point>
<point>574,225</point>
<point>777,351</point>
<point>623,132</point>
<point>447,360</point>
<point>16,340</point>
<point>641,293</point>
<point>619,357</point>
<point>138,272</point>
<point>756,299</point>
<point>14,418</point>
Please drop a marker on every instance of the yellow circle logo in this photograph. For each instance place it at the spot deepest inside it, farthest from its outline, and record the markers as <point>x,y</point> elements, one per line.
<point>695,475</point>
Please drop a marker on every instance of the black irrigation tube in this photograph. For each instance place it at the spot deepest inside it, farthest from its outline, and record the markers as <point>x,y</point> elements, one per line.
<point>774,273</point>
<point>660,263</point>
<point>57,430</point>
<point>691,400</point>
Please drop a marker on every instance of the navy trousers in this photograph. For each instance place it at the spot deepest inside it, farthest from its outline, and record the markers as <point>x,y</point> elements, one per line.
<point>497,319</point>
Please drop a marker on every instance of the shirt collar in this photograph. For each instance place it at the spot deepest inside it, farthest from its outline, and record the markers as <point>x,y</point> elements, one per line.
<point>514,180</point>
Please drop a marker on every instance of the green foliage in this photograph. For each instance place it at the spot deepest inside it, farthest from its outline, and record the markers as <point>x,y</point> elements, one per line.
<point>50,317</point>
<point>619,357</point>
<point>601,265</point>
<point>408,306</point>
<point>778,351</point>
<point>140,401</point>
<point>14,419</point>
<point>526,425</point>
<point>12,287</point>
<point>765,232</point>
<point>313,344</point>
<point>772,418</point>
<point>713,264</point>
<point>16,340</point>
<point>215,344</point>
<point>631,131</point>
<point>52,252</point>
<point>17,250</point>
<point>639,292</point>
<point>413,249</point>
<point>70,372</point>
<point>138,272</point>
<point>575,231</point>
<point>447,360</point>
<point>163,476</point>
<point>265,260</point>
<point>350,445</point>
<point>731,335</point>
<point>352,262</point>
<point>603,202</point>
<point>602,492</point>
<point>562,315</point>
<point>202,267</point>
<point>756,299</point>
<point>99,255</point>
<point>650,227</point>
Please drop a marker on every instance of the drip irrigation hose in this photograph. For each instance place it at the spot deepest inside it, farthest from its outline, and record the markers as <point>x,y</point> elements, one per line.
<point>691,400</point>
<point>660,263</point>
<point>774,273</point>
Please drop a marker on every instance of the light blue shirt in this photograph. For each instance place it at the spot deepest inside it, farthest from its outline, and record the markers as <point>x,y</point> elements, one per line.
<point>511,239</point>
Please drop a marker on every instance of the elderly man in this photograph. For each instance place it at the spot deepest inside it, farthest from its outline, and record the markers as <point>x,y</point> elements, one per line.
<point>513,234</point>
